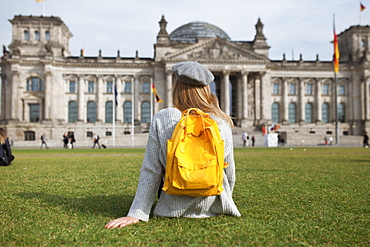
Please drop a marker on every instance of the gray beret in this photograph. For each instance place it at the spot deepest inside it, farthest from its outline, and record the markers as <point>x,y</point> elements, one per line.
<point>193,73</point>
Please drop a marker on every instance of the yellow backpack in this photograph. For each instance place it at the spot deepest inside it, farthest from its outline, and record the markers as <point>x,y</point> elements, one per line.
<point>195,156</point>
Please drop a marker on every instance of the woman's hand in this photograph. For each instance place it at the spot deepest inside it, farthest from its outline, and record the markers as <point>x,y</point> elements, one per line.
<point>121,222</point>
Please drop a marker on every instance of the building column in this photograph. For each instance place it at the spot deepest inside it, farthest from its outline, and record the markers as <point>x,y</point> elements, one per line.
<point>81,99</point>
<point>100,106</point>
<point>301,104</point>
<point>48,108</point>
<point>284,101</point>
<point>265,84</point>
<point>367,104</point>
<point>119,109</point>
<point>3,96</point>
<point>318,100</point>
<point>245,94</point>
<point>332,101</point>
<point>257,98</point>
<point>225,92</point>
<point>239,100</point>
<point>14,111</point>
<point>351,92</point>
<point>169,103</point>
<point>136,102</point>
<point>367,99</point>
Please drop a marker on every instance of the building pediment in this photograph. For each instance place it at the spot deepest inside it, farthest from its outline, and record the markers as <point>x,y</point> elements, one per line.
<point>215,49</point>
<point>33,96</point>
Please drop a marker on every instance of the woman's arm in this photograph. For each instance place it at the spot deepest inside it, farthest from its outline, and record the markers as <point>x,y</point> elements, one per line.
<point>150,178</point>
<point>121,222</point>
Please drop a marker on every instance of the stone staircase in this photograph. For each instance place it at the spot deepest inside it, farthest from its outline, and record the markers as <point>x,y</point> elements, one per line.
<point>298,139</point>
<point>140,140</point>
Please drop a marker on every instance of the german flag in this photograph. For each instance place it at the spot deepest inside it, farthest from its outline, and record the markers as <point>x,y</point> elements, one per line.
<point>336,52</point>
<point>154,91</point>
<point>362,7</point>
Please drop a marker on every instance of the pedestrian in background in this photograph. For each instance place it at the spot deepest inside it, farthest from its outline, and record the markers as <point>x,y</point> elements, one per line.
<point>253,139</point>
<point>72,139</point>
<point>96,141</point>
<point>366,140</point>
<point>65,141</point>
<point>43,141</point>
<point>6,156</point>
<point>245,138</point>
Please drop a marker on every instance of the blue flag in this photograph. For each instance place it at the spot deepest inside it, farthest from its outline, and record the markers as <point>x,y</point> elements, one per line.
<point>115,94</point>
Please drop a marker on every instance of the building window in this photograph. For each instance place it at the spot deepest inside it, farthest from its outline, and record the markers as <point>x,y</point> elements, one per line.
<point>275,112</point>
<point>90,86</point>
<point>276,89</point>
<point>29,135</point>
<point>72,112</point>
<point>146,87</point>
<point>108,133</point>
<point>309,113</point>
<point>91,112</point>
<point>292,88</point>
<point>342,89</point>
<point>89,134</point>
<point>127,87</point>
<point>145,112</point>
<point>127,112</point>
<point>342,113</point>
<point>109,86</point>
<point>309,89</point>
<point>325,111</point>
<point>109,112</point>
<point>292,113</point>
<point>34,113</point>
<point>35,84</point>
<point>72,86</point>
<point>26,35</point>
<point>47,35</point>
<point>37,35</point>
<point>325,89</point>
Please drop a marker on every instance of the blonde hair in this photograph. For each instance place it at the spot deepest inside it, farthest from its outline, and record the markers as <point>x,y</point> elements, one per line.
<point>2,136</point>
<point>185,96</point>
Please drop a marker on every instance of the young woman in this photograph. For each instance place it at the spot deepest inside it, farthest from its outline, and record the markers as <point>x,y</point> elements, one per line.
<point>190,90</point>
<point>6,156</point>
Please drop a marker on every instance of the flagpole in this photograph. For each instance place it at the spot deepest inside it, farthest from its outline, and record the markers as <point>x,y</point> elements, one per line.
<point>360,13</point>
<point>336,69</point>
<point>362,8</point>
<point>114,111</point>
<point>43,8</point>
<point>336,108</point>
<point>132,113</point>
<point>151,100</point>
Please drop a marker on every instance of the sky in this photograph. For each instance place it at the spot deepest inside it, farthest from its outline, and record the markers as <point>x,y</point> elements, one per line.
<point>292,27</point>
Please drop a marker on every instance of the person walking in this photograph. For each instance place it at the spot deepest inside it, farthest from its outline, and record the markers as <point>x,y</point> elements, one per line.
<point>96,141</point>
<point>72,139</point>
<point>245,138</point>
<point>6,156</point>
<point>65,141</point>
<point>253,139</point>
<point>43,141</point>
<point>366,140</point>
<point>190,90</point>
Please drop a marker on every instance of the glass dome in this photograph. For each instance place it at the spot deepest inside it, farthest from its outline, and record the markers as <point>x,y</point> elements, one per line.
<point>192,31</point>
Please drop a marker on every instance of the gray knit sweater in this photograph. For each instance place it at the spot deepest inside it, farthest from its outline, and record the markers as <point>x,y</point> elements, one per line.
<point>153,168</point>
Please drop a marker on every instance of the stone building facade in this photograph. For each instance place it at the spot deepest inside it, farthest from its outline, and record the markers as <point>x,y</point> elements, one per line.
<point>45,89</point>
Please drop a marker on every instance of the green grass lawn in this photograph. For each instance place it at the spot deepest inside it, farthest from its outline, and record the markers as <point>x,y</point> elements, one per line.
<point>287,197</point>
